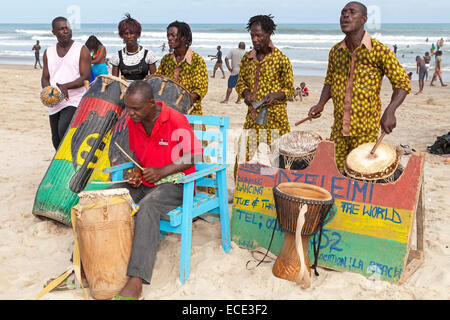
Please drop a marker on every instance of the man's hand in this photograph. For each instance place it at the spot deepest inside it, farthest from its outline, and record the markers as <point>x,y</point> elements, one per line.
<point>249,98</point>
<point>152,174</point>
<point>315,111</point>
<point>64,90</point>
<point>388,121</point>
<point>135,179</point>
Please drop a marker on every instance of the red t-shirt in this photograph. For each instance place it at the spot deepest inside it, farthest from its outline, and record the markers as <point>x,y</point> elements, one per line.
<point>171,137</point>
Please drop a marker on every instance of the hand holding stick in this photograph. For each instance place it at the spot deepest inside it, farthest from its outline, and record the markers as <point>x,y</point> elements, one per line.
<point>377,144</point>
<point>123,151</point>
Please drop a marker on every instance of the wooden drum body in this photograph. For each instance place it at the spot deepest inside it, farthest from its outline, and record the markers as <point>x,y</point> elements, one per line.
<point>171,93</point>
<point>290,197</point>
<point>105,230</point>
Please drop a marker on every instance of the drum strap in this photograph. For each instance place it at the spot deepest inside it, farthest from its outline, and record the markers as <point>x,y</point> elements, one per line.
<point>268,249</point>
<point>317,249</point>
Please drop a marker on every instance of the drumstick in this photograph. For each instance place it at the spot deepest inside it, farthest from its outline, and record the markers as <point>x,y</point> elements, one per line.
<point>301,121</point>
<point>108,182</point>
<point>377,144</point>
<point>123,151</point>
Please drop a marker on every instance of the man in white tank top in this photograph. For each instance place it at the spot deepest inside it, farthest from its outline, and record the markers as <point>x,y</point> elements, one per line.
<point>66,65</point>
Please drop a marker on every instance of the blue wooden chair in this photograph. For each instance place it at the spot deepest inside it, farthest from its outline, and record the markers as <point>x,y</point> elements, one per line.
<point>193,206</point>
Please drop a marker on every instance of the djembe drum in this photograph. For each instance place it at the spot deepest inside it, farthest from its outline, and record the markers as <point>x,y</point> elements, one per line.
<point>51,96</point>
<point>105,230</point>
<point>296,149</point>
<point>171,93</point>
<point>381,167</point>
<point>301,211</point>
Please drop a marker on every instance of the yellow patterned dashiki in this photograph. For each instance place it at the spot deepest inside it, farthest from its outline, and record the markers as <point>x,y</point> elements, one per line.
<point>275,76</point>
<point>191,73</point>
<point>356,81</point>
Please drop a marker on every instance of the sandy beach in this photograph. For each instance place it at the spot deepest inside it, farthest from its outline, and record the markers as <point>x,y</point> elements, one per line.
<point>33,250</point>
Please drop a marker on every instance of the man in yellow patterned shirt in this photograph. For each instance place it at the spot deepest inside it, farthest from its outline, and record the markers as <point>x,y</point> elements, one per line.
<point>184,65</point>
<point>356,67</point>
<point>265,74</point>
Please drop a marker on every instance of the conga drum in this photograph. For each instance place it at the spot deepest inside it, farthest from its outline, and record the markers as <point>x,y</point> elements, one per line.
<point>51,96</point>
<point>105,230</point>
<point>171,93</point>
<point>293,199</point>
<point>296,149</point>
<point>381,167</point>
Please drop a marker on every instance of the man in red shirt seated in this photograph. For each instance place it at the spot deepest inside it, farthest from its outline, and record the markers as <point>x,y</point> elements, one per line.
<point>164,144</point>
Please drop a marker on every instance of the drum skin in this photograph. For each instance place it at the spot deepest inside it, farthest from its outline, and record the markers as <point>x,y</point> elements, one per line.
<point>105,237</point>
<point>78,155</point>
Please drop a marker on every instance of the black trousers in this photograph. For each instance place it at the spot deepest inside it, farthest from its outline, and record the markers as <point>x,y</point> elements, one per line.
<point>59,122</point>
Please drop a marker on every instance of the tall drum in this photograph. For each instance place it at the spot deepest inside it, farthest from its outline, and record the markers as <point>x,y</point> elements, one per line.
<point>105,230</point>
<point>301,211</point>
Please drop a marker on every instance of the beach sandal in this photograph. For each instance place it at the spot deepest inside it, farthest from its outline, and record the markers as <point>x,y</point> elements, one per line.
<point>117,297</point>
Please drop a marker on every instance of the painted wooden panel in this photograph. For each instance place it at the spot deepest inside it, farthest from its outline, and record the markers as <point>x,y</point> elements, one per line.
<point>371,231</point>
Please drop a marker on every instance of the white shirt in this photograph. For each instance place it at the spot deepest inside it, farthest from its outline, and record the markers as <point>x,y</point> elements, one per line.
<point>236,56</point>
<point>64,70</point>
<point>133,59</point>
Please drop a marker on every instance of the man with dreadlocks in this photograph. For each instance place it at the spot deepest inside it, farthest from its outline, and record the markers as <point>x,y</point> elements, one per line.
<point>265,76</point>
<point>184,65</point>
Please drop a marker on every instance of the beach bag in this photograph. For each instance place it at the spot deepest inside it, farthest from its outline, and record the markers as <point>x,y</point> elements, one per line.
<point>441,145</point>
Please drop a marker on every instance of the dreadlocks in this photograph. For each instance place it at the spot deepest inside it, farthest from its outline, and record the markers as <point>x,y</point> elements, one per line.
<point>265,21</point>
<point>183,31</point>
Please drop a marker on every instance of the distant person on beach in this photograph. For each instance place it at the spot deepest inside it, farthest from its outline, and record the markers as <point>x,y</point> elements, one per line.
<point>134,62</point>
<point>163,47</point>
<point>427,59</point>
<point>304,89</point>
<point>410,74</point>
<point>265,78</point>
<point>438,69</point>
<point>354,77</point>
<point>37,49</point>
<point>235,55</point>
<point>67,64</point>
<point>421,70</point>
<point>98,62</point>
<point>219,62</point>
<point>395,48</point>
<point>184,65</point>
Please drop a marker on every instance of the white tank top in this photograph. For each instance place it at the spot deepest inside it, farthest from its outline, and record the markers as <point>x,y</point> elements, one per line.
<point>64,70</point>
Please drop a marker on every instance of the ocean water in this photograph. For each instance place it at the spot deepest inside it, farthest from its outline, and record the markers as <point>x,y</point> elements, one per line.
<point>306,45</point>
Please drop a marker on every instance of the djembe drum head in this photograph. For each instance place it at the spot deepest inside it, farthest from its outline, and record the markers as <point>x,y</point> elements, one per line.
<point>382,166</point>
<point>296,149</point>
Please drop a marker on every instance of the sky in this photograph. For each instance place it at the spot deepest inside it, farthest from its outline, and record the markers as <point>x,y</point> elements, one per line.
<point>217,11</point>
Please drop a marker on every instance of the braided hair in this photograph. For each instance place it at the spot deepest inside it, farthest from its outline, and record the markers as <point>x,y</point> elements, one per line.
<point>183,31</point>
<point>264,21</point>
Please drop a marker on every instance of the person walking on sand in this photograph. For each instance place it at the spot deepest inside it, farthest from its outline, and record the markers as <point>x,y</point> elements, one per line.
<point>218,64</point>
<point>356,67</point>
<point>438,69</point>
<point>421,70</point>
<point>67,64</point>
<point>427,59</point>
<point>235,55</point>
<point>37,49</point>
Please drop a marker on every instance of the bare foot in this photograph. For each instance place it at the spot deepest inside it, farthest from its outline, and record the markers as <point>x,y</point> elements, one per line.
<point>224,101</point>
<point>133,288</point>
<point>238,102</point>
<point>444,85</point>
<point>419,92</point>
